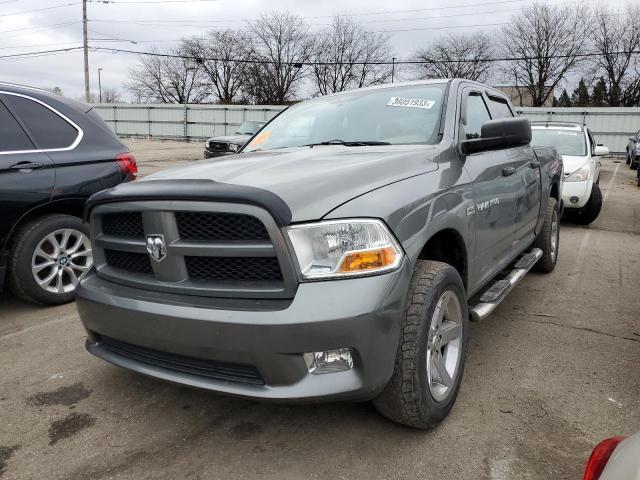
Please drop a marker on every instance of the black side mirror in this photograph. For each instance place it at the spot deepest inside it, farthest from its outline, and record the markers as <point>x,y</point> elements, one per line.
<point>500,133</point>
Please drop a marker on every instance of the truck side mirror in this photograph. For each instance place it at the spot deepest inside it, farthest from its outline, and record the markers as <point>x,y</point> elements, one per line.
<point>500,133</point>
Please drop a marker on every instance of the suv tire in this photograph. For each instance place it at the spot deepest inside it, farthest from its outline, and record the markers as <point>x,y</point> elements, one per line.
<point>417,394</point>
<point>63,246</point>
<point>591,210</point>
<point>549,238</point>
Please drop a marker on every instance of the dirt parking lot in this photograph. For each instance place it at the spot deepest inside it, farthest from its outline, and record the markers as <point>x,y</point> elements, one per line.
<point>551,373</point>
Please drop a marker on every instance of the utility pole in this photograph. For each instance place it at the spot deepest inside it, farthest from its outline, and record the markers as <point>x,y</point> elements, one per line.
<point>87,92</point>
<point>393,68</point>
<point>99,86</point>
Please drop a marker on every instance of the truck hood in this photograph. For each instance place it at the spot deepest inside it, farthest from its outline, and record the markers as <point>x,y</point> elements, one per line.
<point>312,181</point>
<point>573,162</point>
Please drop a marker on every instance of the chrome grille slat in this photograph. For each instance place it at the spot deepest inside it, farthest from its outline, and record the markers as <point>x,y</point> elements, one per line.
<point>214,259</point>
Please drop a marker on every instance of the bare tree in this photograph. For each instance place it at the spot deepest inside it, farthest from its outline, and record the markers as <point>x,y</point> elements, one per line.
<point>347,56</point>
<point>281,44</point>
<point>167,79</point>
<point>111,95</point>
<point>457,56</point>
<point>223,55</point>
<point>543,45</point>
<point>616,38</point>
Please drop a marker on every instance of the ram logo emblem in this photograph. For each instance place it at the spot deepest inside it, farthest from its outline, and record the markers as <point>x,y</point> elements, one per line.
<point>156,247</point>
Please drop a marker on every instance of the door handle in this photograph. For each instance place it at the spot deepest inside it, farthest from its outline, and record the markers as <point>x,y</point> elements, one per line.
<point>535,164</point>
<point>26,166</point>
<point>506,171</point>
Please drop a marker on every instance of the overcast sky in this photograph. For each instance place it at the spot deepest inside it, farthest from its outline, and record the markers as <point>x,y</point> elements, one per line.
<point>161,23</point>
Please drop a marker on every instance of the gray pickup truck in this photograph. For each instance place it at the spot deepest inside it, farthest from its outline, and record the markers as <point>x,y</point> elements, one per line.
<point>339,256</point>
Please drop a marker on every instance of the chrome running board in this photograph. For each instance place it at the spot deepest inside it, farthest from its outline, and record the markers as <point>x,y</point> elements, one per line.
<point>495,294</point>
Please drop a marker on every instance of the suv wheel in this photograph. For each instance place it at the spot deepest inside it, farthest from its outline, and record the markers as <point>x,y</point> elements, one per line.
<point>591,210</point>
<point>50,255</point>
<point>433,341</point>
<point>549,238</point>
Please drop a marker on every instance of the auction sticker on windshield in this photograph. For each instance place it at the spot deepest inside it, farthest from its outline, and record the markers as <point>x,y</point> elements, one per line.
<point>410,102</point>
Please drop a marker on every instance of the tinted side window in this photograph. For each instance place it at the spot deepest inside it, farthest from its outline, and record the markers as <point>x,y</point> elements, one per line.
<point>500,107</point>
<point>12,137</point>
<point>592,140</point>
<point>48,129</point>
<point>477,114</point>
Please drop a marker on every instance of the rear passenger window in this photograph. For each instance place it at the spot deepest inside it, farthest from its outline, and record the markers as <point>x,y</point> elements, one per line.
<point>48,129</point>
<point>477,115</point>
<point>500,107</point>
<point>12,137</point>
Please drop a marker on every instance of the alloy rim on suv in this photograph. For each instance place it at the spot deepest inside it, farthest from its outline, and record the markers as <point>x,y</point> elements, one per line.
<point>444,346</point>
<point>60,259</point>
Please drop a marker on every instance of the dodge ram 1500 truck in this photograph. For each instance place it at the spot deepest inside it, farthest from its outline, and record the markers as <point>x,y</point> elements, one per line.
<point>339,256</point>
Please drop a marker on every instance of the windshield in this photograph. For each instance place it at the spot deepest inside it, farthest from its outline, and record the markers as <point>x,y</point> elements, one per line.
<point>566,142</point>
<point>397,116</point>
<point>250,127</point>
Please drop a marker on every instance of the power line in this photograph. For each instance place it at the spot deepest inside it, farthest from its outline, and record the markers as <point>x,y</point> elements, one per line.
<point>39,9</point>
<point>30,30</point>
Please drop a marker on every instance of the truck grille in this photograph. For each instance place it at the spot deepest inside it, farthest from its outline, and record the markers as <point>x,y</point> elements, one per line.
<point>218,146</point>
<point>230,251</point>
<point>179,363</point>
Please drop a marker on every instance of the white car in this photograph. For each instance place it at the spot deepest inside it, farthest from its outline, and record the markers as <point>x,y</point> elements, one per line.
<point>615,459</point>
<point>581,194</point>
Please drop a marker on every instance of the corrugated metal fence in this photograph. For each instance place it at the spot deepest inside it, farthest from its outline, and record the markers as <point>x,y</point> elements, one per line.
<point>611,126</point>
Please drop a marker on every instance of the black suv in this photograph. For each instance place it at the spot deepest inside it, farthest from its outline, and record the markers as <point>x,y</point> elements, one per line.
<point>54,153</point>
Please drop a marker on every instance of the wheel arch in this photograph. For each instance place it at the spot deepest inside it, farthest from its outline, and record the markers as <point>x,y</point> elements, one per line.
<point>448,246</point>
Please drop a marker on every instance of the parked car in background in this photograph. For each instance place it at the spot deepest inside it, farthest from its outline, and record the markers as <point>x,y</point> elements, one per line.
<point>581,196</point>
<point>339,256</point>
<point>615,458</point>
<point>54,154</point>
<point>231,144</point>
<point>633,152</point>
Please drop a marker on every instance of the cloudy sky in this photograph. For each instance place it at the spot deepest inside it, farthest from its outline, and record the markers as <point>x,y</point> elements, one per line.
<point>41,25</point>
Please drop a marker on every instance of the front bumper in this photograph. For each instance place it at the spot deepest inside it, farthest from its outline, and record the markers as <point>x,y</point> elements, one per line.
<point>216,153</point>
<point>576,190</point>
<point>362,314</point>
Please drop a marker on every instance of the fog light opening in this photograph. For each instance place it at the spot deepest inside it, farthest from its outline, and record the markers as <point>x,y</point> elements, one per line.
<point>331,361</point>
<point>574,199</point>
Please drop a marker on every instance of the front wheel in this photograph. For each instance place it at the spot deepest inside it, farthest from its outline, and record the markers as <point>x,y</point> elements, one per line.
<point>49,256</point>
<point>591,210</point>
<point>430,358</point>
<point>549,238</point>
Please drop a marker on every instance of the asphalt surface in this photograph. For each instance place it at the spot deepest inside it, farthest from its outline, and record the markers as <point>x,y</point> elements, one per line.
<point>553,371</point>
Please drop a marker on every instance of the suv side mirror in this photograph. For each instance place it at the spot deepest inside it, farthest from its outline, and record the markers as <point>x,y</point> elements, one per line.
<point>500,133</point>
<point>600,150</point>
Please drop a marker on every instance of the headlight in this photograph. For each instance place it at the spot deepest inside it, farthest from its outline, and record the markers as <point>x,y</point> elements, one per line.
<point>344,248</point>
<point>579,175</point>
<point>233,147</point>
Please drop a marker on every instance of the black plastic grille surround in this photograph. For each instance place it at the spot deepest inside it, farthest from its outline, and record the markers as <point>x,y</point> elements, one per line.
<point>129,261</point>
<point>207,226</point>
<point>218,146</point>
<point>234,268</point>
<point>183,364</point>
<point>127,224</point>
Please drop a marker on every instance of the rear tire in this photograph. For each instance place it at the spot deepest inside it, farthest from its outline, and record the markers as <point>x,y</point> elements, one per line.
<point>37,259</point>
<point>591,210</point>
<point>549,238</point>
<point>633,163</point>
<point>418,394</point>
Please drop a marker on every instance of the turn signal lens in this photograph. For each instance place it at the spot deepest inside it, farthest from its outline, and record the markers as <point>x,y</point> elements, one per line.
<point>368,260</point>
<point>599,458</point>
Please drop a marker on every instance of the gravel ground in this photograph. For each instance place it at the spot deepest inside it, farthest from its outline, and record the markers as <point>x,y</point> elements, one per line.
<point>551,373</point>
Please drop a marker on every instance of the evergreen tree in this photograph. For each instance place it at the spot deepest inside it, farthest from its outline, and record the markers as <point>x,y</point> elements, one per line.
<point>599,94</point>
<point>580,96</point>
<point>564,100</point>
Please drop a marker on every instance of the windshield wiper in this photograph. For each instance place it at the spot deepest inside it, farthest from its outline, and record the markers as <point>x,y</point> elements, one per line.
<point>348,144</point>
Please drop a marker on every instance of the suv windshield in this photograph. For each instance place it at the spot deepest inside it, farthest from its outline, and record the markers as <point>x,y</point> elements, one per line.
<point>397,116</point>
<point>565,141</point>
<point>250,127</point>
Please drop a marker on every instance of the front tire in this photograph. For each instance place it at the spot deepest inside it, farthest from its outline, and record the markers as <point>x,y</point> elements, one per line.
<point>549,238</point>
<point>433,341</point>
<point>591,210</point>
<point>50,254</point>
<point>633,162</point>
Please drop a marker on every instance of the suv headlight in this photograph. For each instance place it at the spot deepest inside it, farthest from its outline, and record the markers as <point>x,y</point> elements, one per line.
<point>344,248</point>
<point>233,147</point>
<point>579,175</point>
